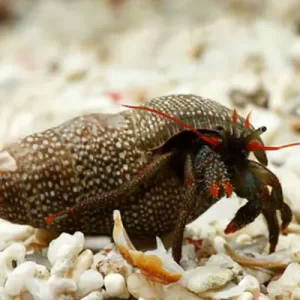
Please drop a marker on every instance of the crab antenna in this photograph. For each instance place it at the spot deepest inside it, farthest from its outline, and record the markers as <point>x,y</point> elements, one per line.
<point>247,121</point>
<point>234,116</point>
<point>254,146</point>
<point>211,141</point>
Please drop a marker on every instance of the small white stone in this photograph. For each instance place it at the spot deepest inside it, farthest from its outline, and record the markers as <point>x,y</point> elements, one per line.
<point>63,252</point>
<point>115,286</point>
<point>251,284</point>
<point>10,233</point>
<point>89,281</point>
<point>82,263</point>
<point>39,289</point>
<point>58,285</point>
<point>245,296</point>
<point>219,243</point>
<point>15,252</point>
<point>243,238</point>
<point>93,296</point>
<point>15,283</point>
<point>28,278</point>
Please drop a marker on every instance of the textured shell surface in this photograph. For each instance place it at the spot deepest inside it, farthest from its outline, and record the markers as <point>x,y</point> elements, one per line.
<point>82,158</point>
<point>153,131</point>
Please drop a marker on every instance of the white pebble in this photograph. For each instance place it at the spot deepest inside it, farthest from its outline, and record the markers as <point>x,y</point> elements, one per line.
<point>59,285</point>
<point>93,296</point>
<point>30,279</point>
<point>64,251</point>
<point>245,296</point>
<point>251,284</point>
<point>243,238</point>
<point>15,252</point>
<point>115,286</point>
<point>15,283</point>
<point>89,281</point>
<point>82,263</point>
<point>10,233</point>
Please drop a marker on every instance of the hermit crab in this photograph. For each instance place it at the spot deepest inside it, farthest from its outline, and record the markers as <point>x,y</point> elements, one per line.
<point>161,165</point>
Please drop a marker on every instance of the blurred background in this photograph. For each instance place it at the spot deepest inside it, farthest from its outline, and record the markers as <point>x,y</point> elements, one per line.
<point>62,58</point>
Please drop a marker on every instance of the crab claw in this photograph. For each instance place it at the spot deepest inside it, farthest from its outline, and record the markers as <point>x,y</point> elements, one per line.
<point>253,182</point>
<point>244,216</point>
<point>231,228</point>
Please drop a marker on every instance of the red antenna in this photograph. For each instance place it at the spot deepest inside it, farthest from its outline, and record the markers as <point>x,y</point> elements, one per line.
<point>211,141</point>
<point>254,146</point>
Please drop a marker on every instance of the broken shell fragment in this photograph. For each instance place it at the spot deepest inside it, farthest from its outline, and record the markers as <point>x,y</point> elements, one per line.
<point>277,261</point>
<point>284,286</point>
<point>205,278</point>
<point>157,265</point>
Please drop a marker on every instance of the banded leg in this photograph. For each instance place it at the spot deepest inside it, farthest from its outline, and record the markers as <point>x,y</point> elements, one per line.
<point>125,189</point>
<point>189,203</point>
<point>205,185</point>
<point>273,227</point>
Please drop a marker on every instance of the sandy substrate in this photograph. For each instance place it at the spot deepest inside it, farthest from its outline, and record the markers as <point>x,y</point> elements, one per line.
<point>59,59</point>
